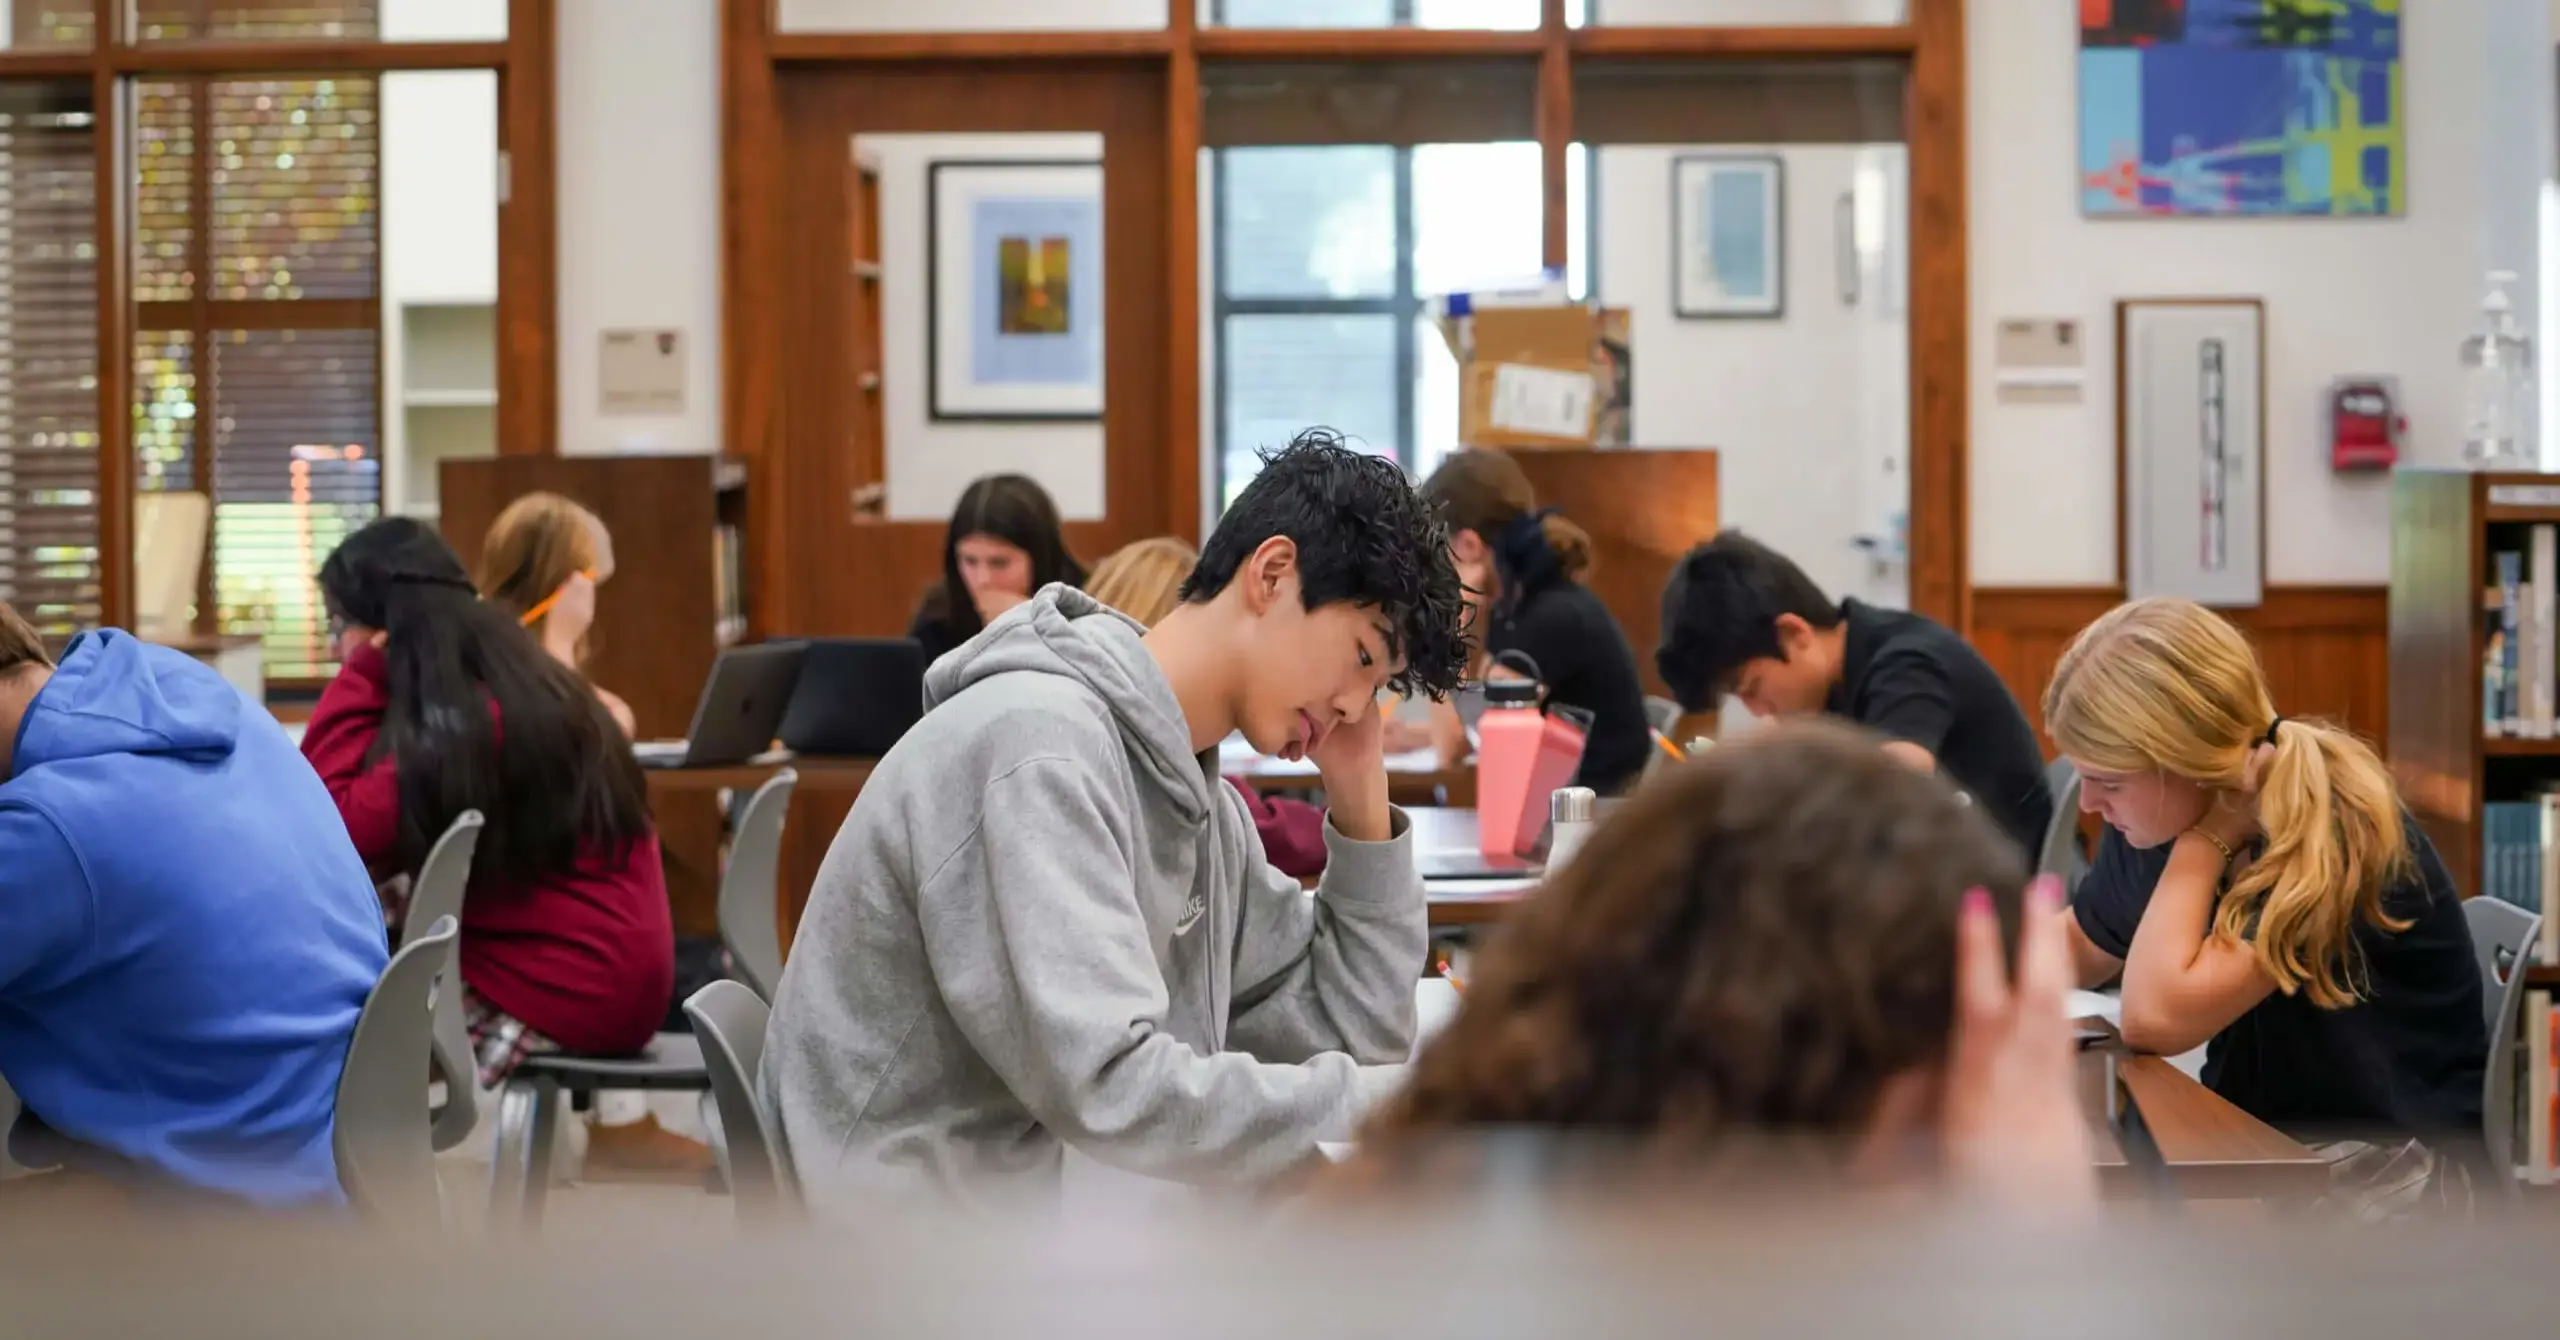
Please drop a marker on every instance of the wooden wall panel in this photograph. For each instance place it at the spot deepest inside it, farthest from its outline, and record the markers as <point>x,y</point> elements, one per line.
<point>2326,648</point>
<point>841,573</point>
<point>1643,511</point>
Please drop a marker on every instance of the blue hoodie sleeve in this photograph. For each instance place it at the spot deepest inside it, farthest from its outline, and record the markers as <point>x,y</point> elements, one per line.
<point>46,912</point>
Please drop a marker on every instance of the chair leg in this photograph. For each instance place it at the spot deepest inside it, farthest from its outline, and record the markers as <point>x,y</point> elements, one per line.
<point>510,1163</point>
<point>546,1128</point>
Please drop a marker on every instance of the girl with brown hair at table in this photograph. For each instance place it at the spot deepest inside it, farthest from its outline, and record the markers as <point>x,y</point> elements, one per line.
<point>543,560</point>
<point>1786,961</point>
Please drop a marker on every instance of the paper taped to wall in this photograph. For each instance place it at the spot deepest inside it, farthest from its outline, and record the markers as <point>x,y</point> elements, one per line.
<point>1544,401</point>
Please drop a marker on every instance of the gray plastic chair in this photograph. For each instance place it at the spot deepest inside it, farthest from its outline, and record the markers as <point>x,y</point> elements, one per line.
<point>2061,854</point>
<point>1662,714</point>
<point>730,1020</point>
<point>2502,936</point>
<point>382,1138</point>
<point>435,895</point>
<point>747,886</point>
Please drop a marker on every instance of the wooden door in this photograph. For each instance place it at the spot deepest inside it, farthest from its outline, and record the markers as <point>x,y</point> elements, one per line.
<point>830,569</point>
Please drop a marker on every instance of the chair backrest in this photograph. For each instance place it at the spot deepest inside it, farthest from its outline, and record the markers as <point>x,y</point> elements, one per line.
<point>383,1142</point>
<point>434,895</point>
<point>747,887</point>
<point>1662,714</point>
<point>2501,934</point>
<point>729,1022</point>
<point>2061,854</point>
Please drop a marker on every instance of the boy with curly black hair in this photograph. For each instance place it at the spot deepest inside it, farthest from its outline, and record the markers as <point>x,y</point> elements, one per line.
<point>1048,923</point>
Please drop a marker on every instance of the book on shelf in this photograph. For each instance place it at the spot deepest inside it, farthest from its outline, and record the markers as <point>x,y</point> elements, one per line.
<point>2520,860</point>
<point>2518,692</point>
<point>728,590</point>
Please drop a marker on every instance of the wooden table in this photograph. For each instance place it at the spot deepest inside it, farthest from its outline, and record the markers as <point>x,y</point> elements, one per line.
<point>2210,1149</point>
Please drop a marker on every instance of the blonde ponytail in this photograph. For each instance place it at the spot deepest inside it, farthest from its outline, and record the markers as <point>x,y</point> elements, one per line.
<point>2169,686</point>
<point>2334,845</point>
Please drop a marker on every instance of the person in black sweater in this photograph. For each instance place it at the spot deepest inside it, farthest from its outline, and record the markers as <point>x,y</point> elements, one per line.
<point>1741,620</point>
<point>1534,618</point>
<point>1004,544</point>
<point>2262,893</point>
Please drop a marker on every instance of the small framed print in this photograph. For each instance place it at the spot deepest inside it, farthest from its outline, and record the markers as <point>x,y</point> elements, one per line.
<point>1013,306</point>
<point>1728,236</point>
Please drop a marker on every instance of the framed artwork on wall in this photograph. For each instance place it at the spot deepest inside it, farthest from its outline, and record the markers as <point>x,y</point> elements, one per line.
<point>1728,236</point>
<point>2223,108</point>
<point>2191,435</point>
<point>1013,294</point>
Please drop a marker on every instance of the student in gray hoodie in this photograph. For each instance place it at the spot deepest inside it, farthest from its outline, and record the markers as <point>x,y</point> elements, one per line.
<point>1047,922</point>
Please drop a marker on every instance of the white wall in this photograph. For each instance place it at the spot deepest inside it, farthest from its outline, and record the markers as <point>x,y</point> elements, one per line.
<point>1804,410</point>
<point>639,200</point>
<point>930,463</point>
<point>2342,296</point>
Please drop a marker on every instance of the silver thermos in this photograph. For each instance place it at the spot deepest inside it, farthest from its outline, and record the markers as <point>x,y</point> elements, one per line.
<point>1571,812</point>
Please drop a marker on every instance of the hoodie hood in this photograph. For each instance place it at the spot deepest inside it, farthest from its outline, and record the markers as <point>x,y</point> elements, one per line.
<point>1064,632</point>
<point>114,695</point>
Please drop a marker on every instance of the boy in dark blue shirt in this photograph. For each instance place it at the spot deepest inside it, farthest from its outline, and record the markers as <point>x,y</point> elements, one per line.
<point>186,933</point>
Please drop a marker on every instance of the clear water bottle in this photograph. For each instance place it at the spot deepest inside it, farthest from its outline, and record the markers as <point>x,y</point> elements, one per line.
<point>2497,385</point>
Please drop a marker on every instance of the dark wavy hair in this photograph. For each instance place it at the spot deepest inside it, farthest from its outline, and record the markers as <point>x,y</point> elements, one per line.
<point>1364,538</point>
<point>1746,952</point>
<point>1016,510</point>
<point>556,782</point>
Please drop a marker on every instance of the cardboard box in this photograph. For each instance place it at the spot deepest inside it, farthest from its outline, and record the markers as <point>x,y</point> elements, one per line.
<point>1537,377</point>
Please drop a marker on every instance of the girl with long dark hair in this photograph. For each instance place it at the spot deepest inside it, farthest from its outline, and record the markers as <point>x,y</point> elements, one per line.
<point>445,703</point>
<point>1003,545</point>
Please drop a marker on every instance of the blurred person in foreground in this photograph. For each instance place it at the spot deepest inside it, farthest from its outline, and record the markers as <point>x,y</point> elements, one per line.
<point>1783,961</point>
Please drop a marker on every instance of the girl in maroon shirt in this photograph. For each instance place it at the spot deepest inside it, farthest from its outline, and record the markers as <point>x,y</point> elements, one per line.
<point>566,939</point>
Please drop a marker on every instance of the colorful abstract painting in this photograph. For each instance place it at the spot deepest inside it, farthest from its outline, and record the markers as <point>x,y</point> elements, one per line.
<point>2217,108</point>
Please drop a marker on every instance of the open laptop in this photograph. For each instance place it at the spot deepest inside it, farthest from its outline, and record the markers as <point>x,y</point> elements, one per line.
<point>741,704</point>
<point>857,696</point>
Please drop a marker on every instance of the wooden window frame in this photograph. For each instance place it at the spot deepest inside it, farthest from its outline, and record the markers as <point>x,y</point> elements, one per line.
<point>1930,43</point>
<point>528,244</point>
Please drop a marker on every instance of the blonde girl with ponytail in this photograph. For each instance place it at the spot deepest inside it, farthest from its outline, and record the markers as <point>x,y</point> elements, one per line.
<point>2259,887</point>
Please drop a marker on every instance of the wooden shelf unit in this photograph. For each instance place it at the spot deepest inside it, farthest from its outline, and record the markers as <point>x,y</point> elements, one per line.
<point>2445,524</point>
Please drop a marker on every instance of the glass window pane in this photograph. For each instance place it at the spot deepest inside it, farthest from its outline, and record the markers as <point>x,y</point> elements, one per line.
<point>296,469</point>
<point>1301,13</point>
<point>1286,373</point>
<point>49,555</point>
<point>1476,216</point>
<point>294,201</point>
<point>1747,13</point>
<point>1308,222</point>
<point>1499,15</point>
<point>219,21</point>
<point>51,25</point>
<point>908,16</point>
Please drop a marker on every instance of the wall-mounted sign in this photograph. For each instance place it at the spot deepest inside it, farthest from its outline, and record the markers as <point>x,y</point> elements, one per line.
<point>641,371</point>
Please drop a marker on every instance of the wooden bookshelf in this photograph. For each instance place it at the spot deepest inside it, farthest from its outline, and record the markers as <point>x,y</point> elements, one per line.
<point>2445,524</point>
<point>870,433</point>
